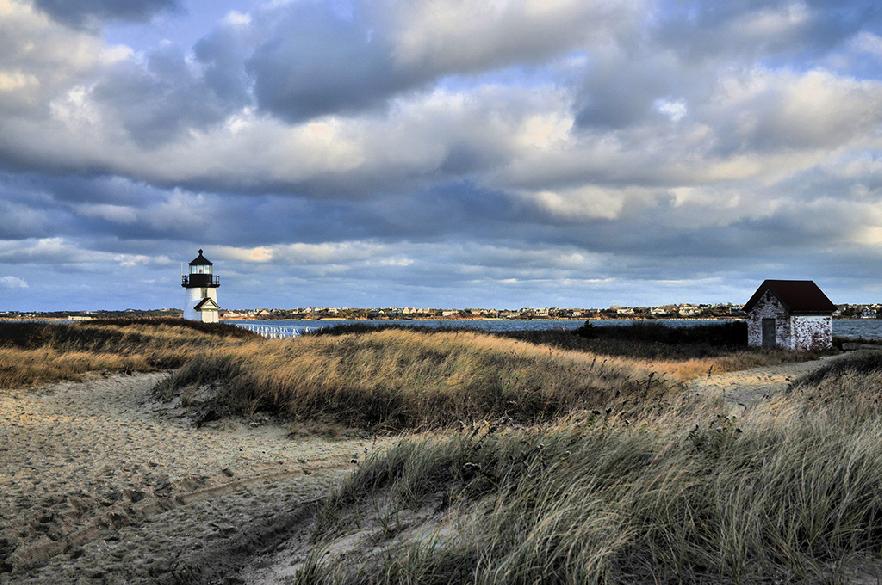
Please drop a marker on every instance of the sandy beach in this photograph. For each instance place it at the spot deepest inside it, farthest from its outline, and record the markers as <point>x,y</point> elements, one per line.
<point>100,483</point>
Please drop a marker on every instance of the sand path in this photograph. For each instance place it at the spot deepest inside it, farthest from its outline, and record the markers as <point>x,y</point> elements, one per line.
<point>745,388</point>
<point>101,484</point>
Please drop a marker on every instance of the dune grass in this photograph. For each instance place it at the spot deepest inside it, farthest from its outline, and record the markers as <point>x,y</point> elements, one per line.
<point>535,463</point>
<point>792,493</point>
<point>396,380</point>
<point>37,353</point>
<point>665,347</point>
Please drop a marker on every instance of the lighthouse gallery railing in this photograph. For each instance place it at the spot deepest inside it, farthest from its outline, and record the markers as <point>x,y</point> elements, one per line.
<point>200,280</point>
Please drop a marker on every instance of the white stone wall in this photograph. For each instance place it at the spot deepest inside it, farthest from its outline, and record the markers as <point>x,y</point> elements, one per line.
<point>209,316</point>
<point>194,295</point>
<point>811,332</point>
<point>768,307</point>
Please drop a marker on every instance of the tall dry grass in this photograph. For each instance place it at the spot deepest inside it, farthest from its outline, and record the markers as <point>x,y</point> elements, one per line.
<point>398,380</point>
<point>792,493</point>
<point>36,353</point>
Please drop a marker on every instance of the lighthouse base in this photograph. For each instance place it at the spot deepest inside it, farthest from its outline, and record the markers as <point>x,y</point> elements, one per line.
<point>194,296</point>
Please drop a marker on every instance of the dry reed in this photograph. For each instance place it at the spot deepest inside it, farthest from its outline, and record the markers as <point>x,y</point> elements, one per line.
<point>35,353</point>
<point>792,493</point>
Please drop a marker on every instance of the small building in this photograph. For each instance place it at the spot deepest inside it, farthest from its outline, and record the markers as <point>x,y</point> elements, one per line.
<point>207,310</point>
<point>688,311</point>
<point>790,314</point>
<point>201,287</point>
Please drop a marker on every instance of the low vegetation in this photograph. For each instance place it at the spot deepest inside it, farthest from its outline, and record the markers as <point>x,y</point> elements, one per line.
<point>546,457</point>
<point>790,493</point>
<point>37,353</point>
<point>395,380</point>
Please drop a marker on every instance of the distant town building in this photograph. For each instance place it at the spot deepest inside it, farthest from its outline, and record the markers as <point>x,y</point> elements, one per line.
<point>688,311</point>
<point>790,314</point>
<point>201,286</point>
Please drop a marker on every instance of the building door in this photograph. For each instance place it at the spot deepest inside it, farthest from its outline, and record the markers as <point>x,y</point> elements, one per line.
<point>769,331</point>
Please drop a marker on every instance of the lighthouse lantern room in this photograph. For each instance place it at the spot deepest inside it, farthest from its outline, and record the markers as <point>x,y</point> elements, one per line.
<point>201,287</point>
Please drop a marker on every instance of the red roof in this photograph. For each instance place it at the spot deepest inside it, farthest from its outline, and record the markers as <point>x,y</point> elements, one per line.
<point>797,296</point>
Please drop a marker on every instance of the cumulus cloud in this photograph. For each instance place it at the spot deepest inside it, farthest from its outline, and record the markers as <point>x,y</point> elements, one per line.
<point>12,282</point>
<point>61,252</point>
<point>80,12</point>
<point>312,60</point>
<point>400,148</point>
<point>156,102</point>
<point>40,59</point>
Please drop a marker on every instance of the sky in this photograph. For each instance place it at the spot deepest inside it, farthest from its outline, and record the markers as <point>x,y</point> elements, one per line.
<point>455,153</point>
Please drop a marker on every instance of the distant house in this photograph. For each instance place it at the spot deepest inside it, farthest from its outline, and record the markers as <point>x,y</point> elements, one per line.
<point>790,314</point>
<point>688,311</point>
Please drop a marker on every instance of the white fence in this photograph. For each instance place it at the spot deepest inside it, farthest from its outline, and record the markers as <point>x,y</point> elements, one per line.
<point>274,331</point>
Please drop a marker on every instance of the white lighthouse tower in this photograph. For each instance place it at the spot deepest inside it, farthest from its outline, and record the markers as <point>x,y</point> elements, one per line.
<point>201,288</point>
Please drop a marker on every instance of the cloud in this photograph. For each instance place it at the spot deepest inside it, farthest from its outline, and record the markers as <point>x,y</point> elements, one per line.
<point>91,12</point>
<point>750,29</point>
<point>40,59</point>
<point>12,282</point>
<point>560,152</point>
<point>314,61</point>
<point>108,212</point>
<point>765,110</point>
<point>159,101</point>
<point>61,252</point>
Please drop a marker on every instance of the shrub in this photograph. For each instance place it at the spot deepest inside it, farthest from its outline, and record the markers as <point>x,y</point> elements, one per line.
<point>729,334</point>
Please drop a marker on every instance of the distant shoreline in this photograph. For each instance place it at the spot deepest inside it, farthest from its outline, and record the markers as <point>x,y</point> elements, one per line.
<point>496,319</point>
<point>78,319</point>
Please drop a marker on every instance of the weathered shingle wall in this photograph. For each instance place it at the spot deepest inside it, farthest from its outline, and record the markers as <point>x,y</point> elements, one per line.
<point>768,307</point>
<point>811,332</point>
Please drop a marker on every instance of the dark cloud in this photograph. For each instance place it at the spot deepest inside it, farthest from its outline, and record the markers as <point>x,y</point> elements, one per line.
<point>618,92</point>
<point>221,54</point>
<point>750,29</point>
<point>377,156</point>
<point>155,103</point>
<point>80,12</point>
<point>316,62</point>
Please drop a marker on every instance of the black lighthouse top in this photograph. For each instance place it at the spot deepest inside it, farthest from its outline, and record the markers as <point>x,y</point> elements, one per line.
<point>200,274</point>
<point>200,260</point>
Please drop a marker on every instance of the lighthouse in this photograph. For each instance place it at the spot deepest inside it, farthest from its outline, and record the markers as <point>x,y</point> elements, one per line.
<point>201,288</point>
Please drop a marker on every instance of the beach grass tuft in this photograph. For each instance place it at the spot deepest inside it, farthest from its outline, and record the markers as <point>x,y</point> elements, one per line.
<point>38,353</point>
<point>790,493</point>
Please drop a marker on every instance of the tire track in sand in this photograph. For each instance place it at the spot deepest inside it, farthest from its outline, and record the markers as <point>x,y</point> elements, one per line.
<point>99,484</point>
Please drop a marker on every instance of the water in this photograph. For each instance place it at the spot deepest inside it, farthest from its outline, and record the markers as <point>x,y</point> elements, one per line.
<point>866,328</point>
<point>294,327</point>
